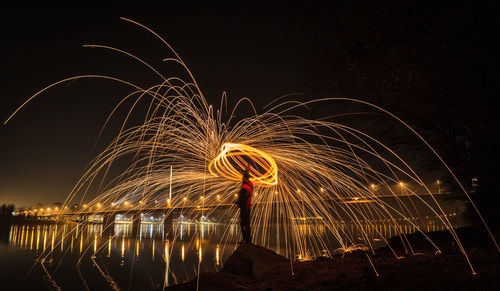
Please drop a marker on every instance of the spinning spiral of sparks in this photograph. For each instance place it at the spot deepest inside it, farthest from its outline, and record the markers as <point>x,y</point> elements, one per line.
<point>231,162</point>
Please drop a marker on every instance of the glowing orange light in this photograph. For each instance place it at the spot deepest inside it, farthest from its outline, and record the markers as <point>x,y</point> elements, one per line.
<point>230,164</point>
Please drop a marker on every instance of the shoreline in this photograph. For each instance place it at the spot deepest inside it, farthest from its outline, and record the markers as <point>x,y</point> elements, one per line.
<point>253,267</point>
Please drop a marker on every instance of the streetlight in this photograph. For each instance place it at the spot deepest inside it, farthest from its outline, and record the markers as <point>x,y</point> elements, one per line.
<point>439,188</point>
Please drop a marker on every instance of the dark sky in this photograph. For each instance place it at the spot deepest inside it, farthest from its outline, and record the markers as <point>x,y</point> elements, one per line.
<point>256,51</point>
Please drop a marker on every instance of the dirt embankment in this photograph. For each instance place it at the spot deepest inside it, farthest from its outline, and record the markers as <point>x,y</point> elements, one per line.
<point>252,267</point>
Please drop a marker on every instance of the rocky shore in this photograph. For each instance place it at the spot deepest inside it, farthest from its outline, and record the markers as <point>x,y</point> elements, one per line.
<point>253,267</point>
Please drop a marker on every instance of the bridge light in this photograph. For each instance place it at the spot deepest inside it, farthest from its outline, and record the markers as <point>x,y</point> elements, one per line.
<point>185,198</point>
<point>85,205</point>
<point>202,197</point>
<point>57,208</point>
<point>322,189</point>
<point>126,203</point>
<point>218,197</point>
<point>48,208</point>
<point>99,205</point>
<point>373,186</point>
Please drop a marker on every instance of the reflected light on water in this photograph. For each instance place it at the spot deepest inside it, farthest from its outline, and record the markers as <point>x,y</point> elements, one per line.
<point>153,251</point>
<point>217,259</point>
<point>109,247</point>
<point>31,240</point>
<point>37,237</point>
<point>123,247</point>
<point>44,239</point>
<point>182,261</point>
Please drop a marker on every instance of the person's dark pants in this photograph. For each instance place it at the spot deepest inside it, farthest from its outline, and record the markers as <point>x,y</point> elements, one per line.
<point>245,224</point>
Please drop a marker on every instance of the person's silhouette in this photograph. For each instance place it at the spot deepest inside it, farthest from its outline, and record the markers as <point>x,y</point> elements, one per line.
<point>244,202</point>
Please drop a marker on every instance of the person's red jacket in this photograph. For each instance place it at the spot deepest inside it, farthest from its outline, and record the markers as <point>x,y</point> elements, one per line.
<point>245,195</point>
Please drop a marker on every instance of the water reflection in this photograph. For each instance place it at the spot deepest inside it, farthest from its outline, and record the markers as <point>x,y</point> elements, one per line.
<point>185,248</point>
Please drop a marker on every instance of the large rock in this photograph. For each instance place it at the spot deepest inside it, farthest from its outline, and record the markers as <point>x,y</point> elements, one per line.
<point>251,260</point>
<point>243,270</point>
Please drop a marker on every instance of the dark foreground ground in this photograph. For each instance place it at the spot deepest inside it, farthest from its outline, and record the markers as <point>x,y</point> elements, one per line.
<point>253,267</point>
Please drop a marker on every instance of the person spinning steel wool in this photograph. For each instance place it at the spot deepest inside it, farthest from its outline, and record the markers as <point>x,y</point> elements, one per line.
<point>244,202</point>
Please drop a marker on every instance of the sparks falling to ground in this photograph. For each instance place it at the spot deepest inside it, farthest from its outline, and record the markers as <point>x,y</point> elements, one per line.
<point>311,176</point>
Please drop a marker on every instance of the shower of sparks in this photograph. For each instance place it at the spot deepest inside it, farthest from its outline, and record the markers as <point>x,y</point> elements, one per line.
<point>311,176</point>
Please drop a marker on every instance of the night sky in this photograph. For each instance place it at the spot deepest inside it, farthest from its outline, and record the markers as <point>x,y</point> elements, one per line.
<point>261,50</point>
<point>246,51</point>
